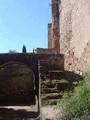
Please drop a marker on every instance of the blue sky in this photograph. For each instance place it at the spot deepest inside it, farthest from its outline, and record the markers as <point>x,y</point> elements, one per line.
<point>24,22</point>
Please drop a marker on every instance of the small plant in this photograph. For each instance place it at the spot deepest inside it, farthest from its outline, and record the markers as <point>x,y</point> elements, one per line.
<point>76,103</point>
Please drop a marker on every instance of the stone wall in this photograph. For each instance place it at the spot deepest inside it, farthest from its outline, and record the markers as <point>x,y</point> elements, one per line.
<point>49,68</point>
<point>53,28</point>
<point>75,34</point>
<point>45,51</point>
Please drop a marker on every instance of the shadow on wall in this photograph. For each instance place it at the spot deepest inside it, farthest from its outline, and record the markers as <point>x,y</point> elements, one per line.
<point>62,81</point>
<point>71,77</point>
<point>11,114</point>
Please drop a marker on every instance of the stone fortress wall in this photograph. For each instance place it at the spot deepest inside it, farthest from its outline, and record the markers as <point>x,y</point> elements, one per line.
<point>73,24</point>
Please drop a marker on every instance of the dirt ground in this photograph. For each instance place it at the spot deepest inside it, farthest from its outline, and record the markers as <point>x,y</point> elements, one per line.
<point>29,113</point>
<point>51,113</point>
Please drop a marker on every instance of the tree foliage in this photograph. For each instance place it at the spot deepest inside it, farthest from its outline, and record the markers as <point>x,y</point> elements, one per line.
<point>24,49</point>
<point>12,51</point>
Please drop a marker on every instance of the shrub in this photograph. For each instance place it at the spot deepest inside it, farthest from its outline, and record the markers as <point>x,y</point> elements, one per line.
<point>76,103</point>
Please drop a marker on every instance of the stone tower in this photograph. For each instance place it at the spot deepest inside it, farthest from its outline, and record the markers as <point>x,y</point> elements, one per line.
<point>53,33</point>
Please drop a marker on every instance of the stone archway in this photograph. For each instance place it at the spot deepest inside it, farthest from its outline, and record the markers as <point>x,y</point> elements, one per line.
<point>17,83</point>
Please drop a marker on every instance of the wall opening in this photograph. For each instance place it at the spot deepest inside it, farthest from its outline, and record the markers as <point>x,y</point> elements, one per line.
<point>17,83</point>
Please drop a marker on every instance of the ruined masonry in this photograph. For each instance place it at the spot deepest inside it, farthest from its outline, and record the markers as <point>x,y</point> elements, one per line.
<point>56,68</point>
<point>55,81</point>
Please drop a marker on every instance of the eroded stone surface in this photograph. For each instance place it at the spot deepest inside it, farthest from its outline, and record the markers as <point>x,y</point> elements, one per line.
<point>75,34</point>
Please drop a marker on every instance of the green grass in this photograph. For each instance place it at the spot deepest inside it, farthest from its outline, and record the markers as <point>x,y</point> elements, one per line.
<point>76,103</point>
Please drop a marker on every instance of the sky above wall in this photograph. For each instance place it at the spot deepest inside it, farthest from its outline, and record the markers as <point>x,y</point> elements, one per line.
<point>24,22</point>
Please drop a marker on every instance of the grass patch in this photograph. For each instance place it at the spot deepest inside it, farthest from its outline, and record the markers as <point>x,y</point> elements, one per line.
<point>76,103</point>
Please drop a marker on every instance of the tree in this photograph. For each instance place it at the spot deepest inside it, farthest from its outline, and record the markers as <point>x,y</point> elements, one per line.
<point>12,51</point>
<point>24,49</point>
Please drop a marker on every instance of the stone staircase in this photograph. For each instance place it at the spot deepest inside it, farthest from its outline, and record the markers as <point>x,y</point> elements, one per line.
<point>52,89</point>
<point>54,81</point>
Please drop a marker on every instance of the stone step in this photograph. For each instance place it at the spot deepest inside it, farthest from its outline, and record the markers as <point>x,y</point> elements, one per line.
<point>49,90</point>
<point>55,85</point>
<point>52,96</point>
<point>54,81</point>
<point>52,90</point>
<point>60,81</point>
<point>50,102</point>
<point>55,74</point>
<point>47,85</point>
<point>57,89</point>
<point>62,86</point>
